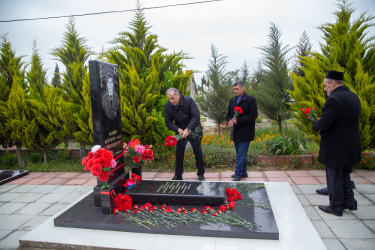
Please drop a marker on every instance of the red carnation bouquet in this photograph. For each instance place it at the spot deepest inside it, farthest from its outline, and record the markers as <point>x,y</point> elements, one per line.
<point>99,162</point>
<point>237,111</point>
<point>310,113</point>
<point>171,140</point>
<point>137,154</point>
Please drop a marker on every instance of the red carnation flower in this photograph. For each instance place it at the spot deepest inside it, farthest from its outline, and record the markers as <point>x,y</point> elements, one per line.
<point>136,159</point>
<point>96,169</point>
<point>104,176</point>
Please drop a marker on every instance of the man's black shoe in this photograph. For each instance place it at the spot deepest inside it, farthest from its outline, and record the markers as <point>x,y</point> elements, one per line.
<point>351,207</point>
<point>201,177</point>
<point>236,179</point>
<point>243,175</point>
<point>323,191</point>
<point>177,178</point>
<point>329,210</point>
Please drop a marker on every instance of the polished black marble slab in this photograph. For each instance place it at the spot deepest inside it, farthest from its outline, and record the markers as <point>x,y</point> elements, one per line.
<point>9,175</point>
<point>178,192</point>
<point>254,207</point>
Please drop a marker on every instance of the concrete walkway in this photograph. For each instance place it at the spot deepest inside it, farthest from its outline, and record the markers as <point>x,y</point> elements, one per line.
<point>28,201</point>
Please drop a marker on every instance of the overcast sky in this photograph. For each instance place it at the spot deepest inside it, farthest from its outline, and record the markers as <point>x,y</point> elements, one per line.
<point>235,27</point>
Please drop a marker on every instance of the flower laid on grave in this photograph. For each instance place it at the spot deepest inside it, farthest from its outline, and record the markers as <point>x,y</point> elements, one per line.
<point>99,162</point>
<point>137,154</point>
<point>149,215</point>
<point>310,113</point>
<point>171,140</point>
<point>237,111</point>
<point>123,202</point>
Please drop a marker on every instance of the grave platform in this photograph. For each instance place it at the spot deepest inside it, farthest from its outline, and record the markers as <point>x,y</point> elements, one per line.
<point>294,227</point>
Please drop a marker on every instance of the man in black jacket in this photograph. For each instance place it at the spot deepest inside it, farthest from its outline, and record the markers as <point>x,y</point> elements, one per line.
<point>182,116</point>
<point>340,145</point>
<point>243,126</point>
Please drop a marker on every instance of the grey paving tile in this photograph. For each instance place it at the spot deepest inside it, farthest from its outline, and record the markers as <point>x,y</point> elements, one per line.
<point>12,240</point>
<point>371,197</point>
<point>316,199</point>
<point>34,222</point>
<point>27,197</point>
<point>4,232</point>
<point>362,200</point>
<point>333,244</point>
<point>323,230</point>
<point>33,208</point>
<point>365,188</point>
<point>302,199</point>
<point>5,197</point>
<point>64,189</point>
<point>365,212</point>
<point>7,187</point>
<point>11,207</point>
<point>50,198</point>
<point>296,189</point>
<point>23,188</point>
<point>69,198</point>
<point>43,189</point>
<point>370,224</point>
<point>52,210</point>
<point>355,244</point>
<point>83,189</point>
<point>309,189</point>
<point>350,229</point>
<point>311,213</point>
<point>14,221</point>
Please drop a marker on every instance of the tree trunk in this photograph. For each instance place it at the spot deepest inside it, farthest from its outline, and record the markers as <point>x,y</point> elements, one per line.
<point>20,161</point>
<point>280,126</point>
<point>45,156</point>
<point>82,147</point>
<point>219,128</point>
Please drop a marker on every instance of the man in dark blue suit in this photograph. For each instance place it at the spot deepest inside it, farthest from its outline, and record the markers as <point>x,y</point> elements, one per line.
<point>340,145</point>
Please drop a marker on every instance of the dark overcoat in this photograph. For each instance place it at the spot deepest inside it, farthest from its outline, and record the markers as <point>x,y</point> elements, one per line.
<point>244,130</point>
<point>340,143</point>
<point>184,115</point>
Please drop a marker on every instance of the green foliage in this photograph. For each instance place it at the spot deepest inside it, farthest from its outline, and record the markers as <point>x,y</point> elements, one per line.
<point>145,73</point>
<point>214,100</point>
<point>73,53</point>
<point>283,145</point>
<point>347,47</point>
<point>8,160</point>
<point>271,94</point>
<point>303,50</point>
<point>36,76</point>
<point>56,80</point>
<point>367,161</point>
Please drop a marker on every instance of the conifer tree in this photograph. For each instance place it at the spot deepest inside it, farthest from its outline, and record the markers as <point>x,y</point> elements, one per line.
<point>271,94</point>
<point>18,116</point>
<point>303,50</point>
<point>346,47</point>
<point>36,76</point>
<point>56,80</point>
<point>73,53</point>
<point>11,66</point>
<point>214,101</point>
<point>143,69</point>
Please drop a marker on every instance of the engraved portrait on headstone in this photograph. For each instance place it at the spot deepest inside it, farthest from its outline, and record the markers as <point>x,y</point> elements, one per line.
<point>110,98</point>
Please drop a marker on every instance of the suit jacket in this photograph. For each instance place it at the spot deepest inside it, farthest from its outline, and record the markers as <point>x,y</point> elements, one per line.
<point>340,143</point>
<point>244,130</point>
<point>184,115</point>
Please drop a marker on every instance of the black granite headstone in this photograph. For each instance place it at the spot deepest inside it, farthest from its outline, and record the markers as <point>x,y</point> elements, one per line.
<point>178,192</point>
<point>9,175</point>
<point>106,119</point>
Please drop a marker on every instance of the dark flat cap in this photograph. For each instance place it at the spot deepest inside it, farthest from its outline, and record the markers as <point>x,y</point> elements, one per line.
<point>335,75</point>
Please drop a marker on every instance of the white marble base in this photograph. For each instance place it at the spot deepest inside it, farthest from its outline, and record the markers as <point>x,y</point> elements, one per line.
<point>295,232</point>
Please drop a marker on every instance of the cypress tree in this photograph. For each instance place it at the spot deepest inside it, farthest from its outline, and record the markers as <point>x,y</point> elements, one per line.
<point>145,71</point>
<point>56,80</point>
<point>214,100</point>
<point>303,50</point>
<point>271,93</point>
<point>11,66</point>
<point>346,47</point>
<point>73,53</point>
